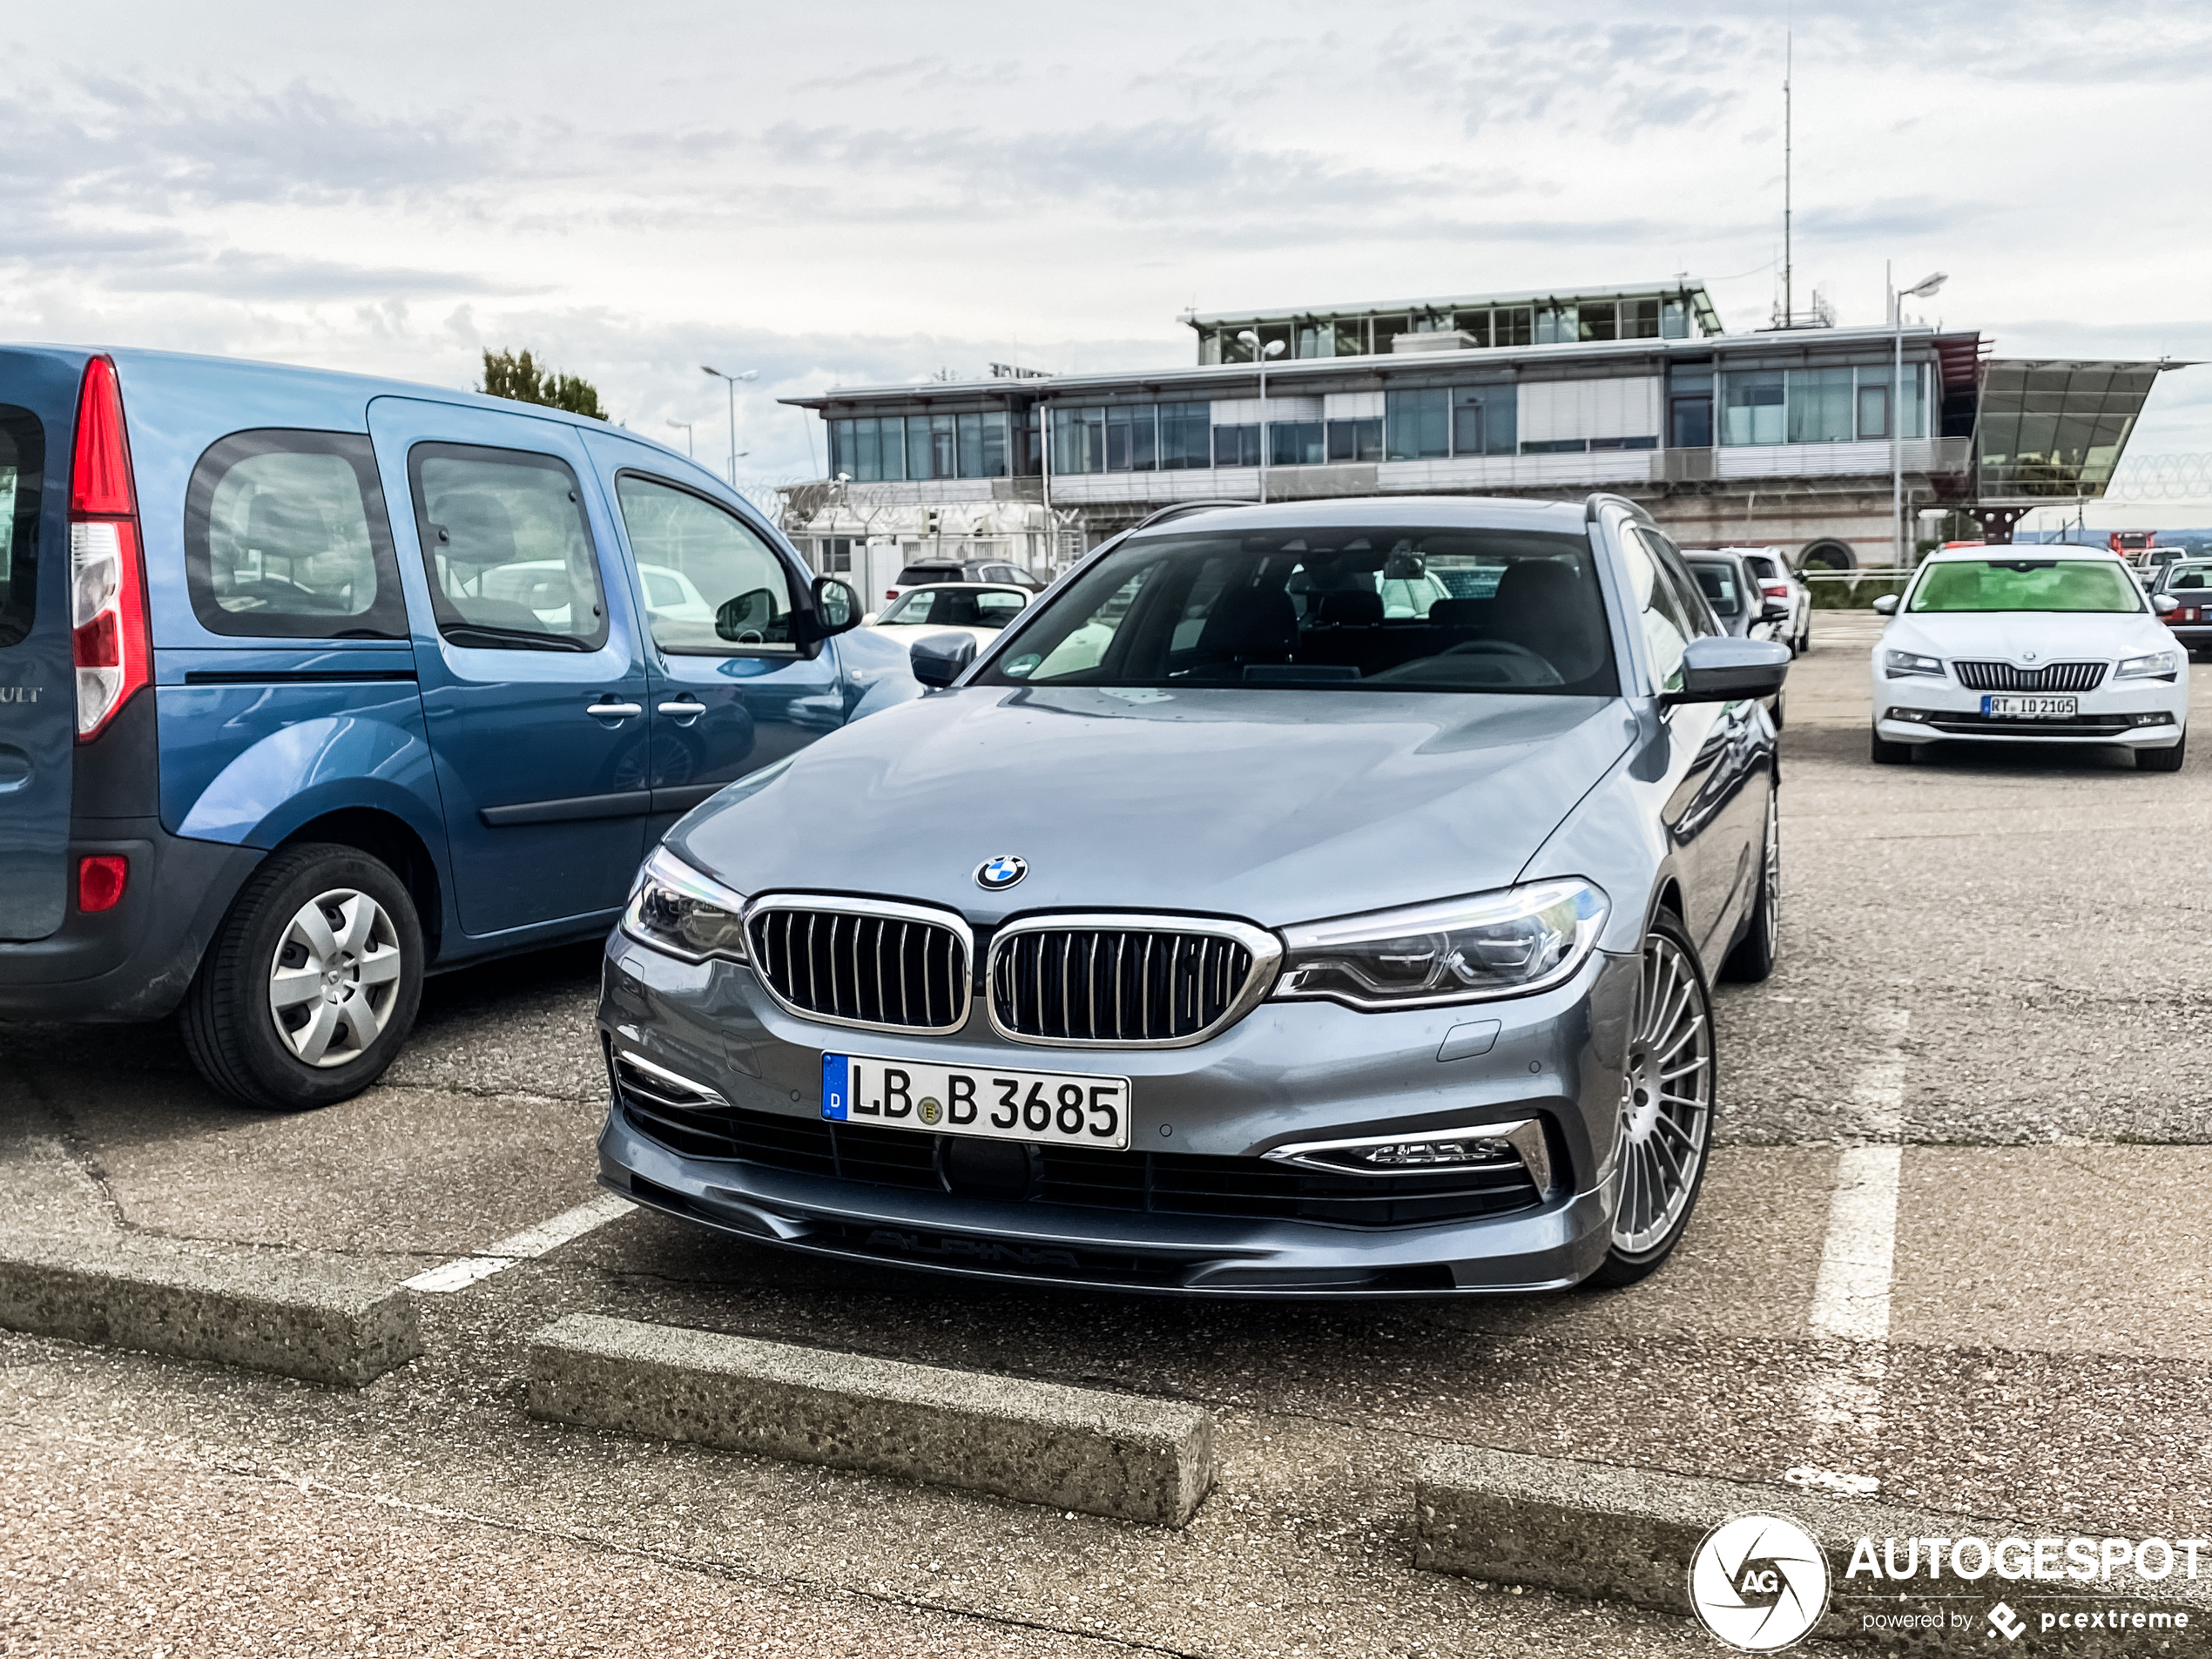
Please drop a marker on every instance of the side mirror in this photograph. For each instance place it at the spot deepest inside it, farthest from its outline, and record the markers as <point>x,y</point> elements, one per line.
<point>1720,668</point>
<point>837,608</point>
<point>941,659</point>
<point>1771,612</point>
<point>2165,603</point>
<point>749,619</point>
<point>1886,605</point>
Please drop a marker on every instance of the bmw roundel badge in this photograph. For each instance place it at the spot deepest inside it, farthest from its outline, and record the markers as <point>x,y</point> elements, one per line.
<point>1001,872</point>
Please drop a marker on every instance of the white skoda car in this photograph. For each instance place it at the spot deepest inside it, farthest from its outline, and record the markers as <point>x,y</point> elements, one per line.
<point>2038,645</point>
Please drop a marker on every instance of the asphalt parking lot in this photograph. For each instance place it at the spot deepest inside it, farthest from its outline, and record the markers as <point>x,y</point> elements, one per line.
<point>1989,962</point>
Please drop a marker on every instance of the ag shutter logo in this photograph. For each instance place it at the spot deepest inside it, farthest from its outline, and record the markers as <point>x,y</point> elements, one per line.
<point>1001,872</point>
<point>1759,1582</point>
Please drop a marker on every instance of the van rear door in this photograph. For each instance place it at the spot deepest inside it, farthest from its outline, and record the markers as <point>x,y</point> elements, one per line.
<point>38,687</point>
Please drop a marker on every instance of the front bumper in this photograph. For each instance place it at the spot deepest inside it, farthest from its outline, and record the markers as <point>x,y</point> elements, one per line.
<point>2145,714</point>
<point>1287,1072</point>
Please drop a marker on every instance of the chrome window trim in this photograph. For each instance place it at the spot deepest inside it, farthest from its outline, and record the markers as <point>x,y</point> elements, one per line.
<point>1265,948</point>
<point>878,910</point>
<point>1524,1135</point>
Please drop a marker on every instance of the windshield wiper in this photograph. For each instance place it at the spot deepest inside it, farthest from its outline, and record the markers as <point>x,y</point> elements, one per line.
<point>501,639</point>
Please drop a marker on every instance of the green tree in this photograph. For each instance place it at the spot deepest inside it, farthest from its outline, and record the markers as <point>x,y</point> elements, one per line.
<point>515,374</point>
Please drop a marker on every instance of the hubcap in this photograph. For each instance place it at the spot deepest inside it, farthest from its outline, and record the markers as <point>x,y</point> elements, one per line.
<point>335,976</point>
<point>1665,1100</point>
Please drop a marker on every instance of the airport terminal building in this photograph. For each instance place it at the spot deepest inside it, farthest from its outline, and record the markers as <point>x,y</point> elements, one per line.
<point>1783,436</point>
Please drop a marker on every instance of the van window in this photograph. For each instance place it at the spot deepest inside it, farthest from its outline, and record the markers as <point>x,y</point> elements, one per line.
<point>508,550</point>
<point>23,468</point>
<point>284,537</point>
<point>713,587</point>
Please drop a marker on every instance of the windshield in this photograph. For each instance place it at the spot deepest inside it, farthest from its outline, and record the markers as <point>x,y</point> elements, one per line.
<point>1350,608</point>
<point>1719,582</point>
<point>961,607</point>
<point>2026,584</point>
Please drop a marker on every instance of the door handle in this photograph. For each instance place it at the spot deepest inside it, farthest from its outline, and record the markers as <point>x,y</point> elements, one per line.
<point>683,709</point>
<point>614,711</point>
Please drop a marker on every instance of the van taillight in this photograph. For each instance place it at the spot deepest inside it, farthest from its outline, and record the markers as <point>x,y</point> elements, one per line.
<point>113,655</point>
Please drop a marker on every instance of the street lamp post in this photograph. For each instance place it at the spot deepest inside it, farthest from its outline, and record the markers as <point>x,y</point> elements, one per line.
<point>1924,286</point>
<point>731,381</point>
<point>686,425</point>
<point>1260,354</point>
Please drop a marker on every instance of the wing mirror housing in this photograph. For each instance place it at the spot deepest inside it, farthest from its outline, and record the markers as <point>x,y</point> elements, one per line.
<point>1720,668</point>
<point>941,659</point>
<point>1772,612</point>
<point>1886,605</point>
<point>2165,603</point>
<point>836,610</point>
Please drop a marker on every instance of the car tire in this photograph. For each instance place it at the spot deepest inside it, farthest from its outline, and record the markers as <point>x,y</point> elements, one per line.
<point>1655,1195</point>
<point>311,983</point>
<point>2168,760</point>
<point>1804,641</point>
<point>1891,754</point>
<point>1753,958</point>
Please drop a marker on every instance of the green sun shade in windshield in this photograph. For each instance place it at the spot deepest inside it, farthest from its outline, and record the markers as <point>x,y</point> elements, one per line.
<point>2027,584</point>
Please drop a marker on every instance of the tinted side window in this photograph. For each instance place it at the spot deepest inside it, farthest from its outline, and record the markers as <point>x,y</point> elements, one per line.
<point>507,547</point>
<point>285,537</point>
<point>22,469</point>
<point>730,591</point>
<point>1667,623</point>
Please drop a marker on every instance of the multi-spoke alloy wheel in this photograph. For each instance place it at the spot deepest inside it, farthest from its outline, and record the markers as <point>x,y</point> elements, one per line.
<point>1666,1110</point>
<point>336,972</point>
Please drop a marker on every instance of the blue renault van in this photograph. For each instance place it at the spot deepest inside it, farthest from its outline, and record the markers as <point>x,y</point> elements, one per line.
<point>312,684</point>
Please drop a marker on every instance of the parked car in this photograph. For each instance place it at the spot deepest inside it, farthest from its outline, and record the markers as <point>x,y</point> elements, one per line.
<point>937,571</point>
<point>1246,953</point>
<point>2019,645</point>
<point>1784,586</point>
<point>2151,560</point>
<point>2189,583</point>
<point>312,684</point>
<point>1740,604</point>
<point>938,607</point>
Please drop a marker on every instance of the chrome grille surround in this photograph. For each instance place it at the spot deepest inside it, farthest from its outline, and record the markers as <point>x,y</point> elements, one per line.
<point>1214,972</point>
<point>2052,676</point>
<point>852,962</point>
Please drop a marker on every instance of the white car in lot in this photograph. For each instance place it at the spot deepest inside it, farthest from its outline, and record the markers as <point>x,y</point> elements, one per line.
<point>2011,644</point>
<point>950,607</point>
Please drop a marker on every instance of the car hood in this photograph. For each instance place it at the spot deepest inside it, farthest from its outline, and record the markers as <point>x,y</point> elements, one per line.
<point>2004,636</point>
<point>1275,806</point>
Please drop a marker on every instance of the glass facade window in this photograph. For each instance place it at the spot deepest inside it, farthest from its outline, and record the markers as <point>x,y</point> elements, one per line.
<point>944,446</point>
<point>1513,325</point>
<point>1233,350</point>
<point>918,448</point>
<point>1387,329</point>
<point>1485,420</point>
<point>1639,320</point>
<point>1674,319</point>
<point>1352,336</point>
<point>1751,410</point>
<point>1186,436</point>
<point>1557,325</point>
<point>1418,425</point>
<point>1276,333</point>
<point>1475,325</point>
<point>1820,406</point>
<point>1835,404</point>
<point>893,448</point>
<point>1236,445</point>
<point>1295,443</point>
<point>1355,440</point>
<point>1599,322</point>
<point>1873,411</point>
<point>1315,340</point>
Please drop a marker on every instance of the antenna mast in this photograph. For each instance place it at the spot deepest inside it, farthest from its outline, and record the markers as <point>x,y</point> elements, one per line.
<point>1789,300</point>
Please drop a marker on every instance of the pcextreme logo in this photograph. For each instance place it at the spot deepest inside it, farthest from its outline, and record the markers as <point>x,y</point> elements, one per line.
<point>1759,1582</point>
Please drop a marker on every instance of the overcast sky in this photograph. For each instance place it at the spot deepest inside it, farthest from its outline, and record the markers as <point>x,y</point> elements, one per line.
<point>869,193</point>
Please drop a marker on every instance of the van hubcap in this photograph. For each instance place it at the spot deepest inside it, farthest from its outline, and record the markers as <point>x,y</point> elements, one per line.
<point>335,977</point>
<point>1665,1100</point>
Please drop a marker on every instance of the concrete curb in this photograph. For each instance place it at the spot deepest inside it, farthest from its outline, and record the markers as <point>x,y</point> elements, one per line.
<point>1611,1534</point>
<point>1069,1448</point>
<point>322,1320</point>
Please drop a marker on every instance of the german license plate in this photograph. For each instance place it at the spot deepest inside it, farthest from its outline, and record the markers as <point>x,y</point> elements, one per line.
<point>1057,1108</point>
<point>2029,708</point>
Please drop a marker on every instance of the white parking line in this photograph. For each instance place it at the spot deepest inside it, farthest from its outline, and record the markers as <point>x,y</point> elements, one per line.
<point>525,1245</point>
<point>1850,1298</point>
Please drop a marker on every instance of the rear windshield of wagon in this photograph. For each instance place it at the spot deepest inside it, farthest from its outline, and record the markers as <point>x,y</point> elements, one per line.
<point>1382,609</point>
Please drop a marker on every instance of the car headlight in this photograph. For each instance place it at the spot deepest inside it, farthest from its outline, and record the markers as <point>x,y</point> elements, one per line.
<point>1897,664</point>
<point>2158,665</point>
<point>1457,950</point>
<point>674,908</point>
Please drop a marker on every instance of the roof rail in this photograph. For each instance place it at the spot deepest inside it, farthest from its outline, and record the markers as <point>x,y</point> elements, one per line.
<point>1600,498</point>
<point>1183,510</point>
